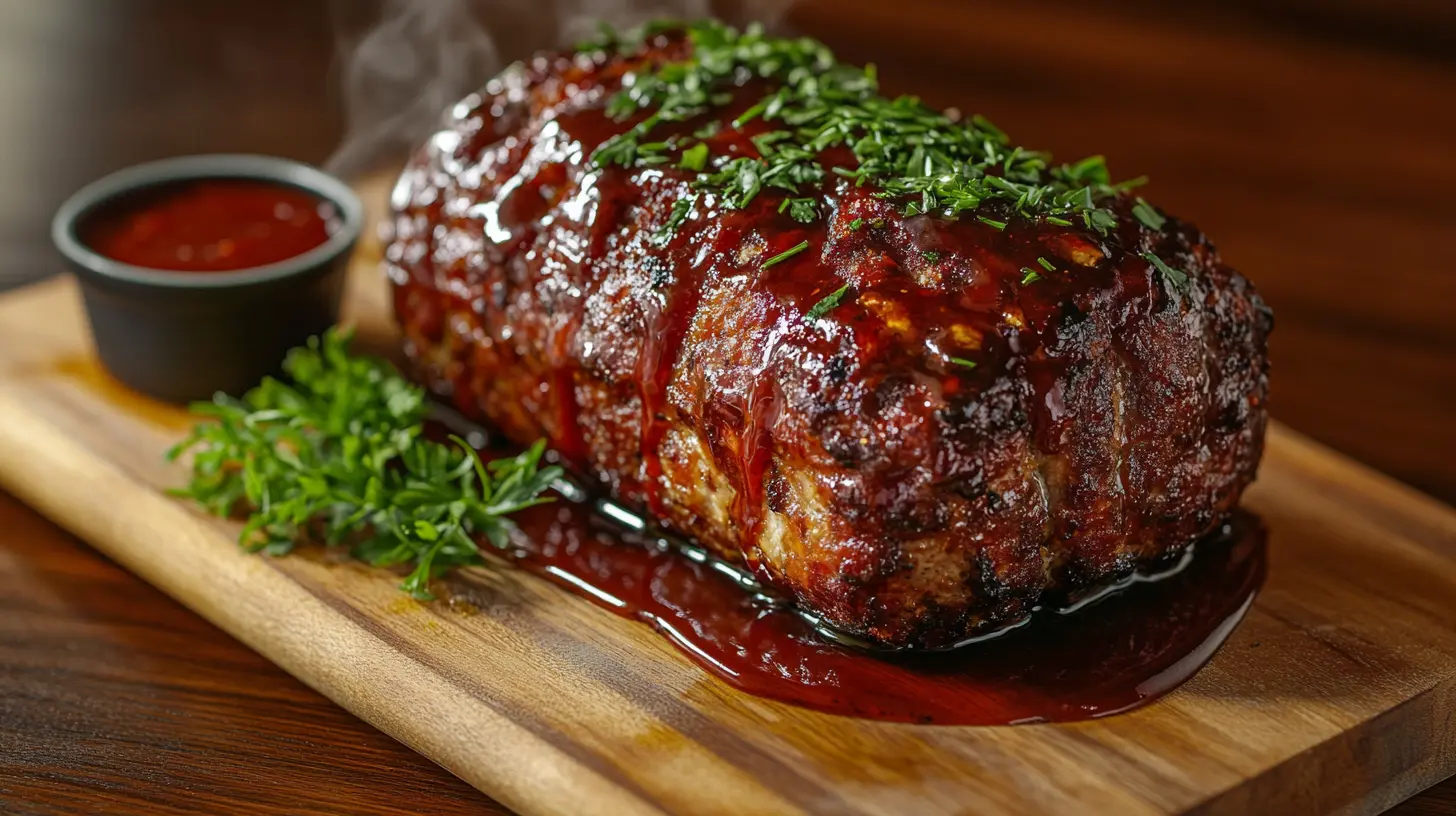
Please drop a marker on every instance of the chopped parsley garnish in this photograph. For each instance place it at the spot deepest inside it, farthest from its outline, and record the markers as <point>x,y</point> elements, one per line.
<point>961,361</point>
<point>675,218</point>
<point>338,455</point>
<point>695,157</point>
<point>925,160</point>
<point>1148,215</point>
<point>786,254</point>
<point>1029,275</point>
<point>1177,277</point>
<point>802,210</point>
<point>823,307</point>
<point>1099,220</point>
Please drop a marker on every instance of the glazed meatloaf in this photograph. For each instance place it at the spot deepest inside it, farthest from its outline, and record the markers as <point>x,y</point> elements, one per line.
<point>915,377</point>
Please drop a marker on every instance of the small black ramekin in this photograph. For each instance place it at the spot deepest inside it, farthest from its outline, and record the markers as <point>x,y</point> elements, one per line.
<point>182,336</point>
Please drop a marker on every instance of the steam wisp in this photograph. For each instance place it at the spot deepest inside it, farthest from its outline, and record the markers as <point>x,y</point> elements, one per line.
<point>405,62</point>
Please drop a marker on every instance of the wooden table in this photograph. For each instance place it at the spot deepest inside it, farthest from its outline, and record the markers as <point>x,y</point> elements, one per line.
<point>1313,140</point>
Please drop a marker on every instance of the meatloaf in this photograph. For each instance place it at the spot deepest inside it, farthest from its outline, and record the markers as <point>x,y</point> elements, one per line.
<point>920,393</point>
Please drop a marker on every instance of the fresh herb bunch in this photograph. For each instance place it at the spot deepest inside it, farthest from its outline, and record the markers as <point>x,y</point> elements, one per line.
<point>924,158</point>
<point>338,454</point>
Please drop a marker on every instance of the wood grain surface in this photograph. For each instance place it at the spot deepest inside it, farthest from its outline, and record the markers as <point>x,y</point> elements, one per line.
<point>110,692</point>
<point>1337,692</point>
<point>1300,134</point>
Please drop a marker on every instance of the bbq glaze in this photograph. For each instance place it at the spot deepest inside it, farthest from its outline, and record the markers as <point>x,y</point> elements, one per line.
<point>853,462</point>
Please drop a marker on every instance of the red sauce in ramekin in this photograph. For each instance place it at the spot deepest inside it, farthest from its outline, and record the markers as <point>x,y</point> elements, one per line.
<point>209,225</point>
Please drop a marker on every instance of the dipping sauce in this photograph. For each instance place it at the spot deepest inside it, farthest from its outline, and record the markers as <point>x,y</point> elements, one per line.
<point>210,225</point>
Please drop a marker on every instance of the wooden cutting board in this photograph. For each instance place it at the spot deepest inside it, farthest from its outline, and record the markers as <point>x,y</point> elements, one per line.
<point>1337,693</point>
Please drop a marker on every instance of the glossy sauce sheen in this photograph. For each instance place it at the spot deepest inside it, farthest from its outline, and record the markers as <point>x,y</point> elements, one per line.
<point>1113,654</point>
<point>217,225</point>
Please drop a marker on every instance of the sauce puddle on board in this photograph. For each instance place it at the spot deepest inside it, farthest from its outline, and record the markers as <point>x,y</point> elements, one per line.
<point>1113,654</point>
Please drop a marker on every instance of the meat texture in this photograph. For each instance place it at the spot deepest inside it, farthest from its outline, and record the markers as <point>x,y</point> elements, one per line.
<point>949,447</point>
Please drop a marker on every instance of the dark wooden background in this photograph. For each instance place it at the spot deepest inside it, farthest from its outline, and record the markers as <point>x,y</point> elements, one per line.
<point>1315,140</point>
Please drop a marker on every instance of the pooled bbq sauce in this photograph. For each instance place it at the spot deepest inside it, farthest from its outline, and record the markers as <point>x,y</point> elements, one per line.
<point>212,225</point>
<point>1120,651</point>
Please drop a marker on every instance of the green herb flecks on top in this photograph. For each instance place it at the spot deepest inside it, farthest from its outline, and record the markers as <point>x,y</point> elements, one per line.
<point>827,304</point>
<point>785,255</point>
<point>1148,215</point>
<point>337,455</point>
<point>922,158</point>
<point>1176,277</point>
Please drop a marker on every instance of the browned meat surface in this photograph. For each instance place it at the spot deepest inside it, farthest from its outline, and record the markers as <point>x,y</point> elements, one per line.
<point>854,460</point>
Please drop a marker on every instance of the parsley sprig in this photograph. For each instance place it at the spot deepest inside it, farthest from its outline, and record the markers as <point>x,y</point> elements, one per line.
<point>827,304</point>
<point>924,159</point>
<point>337,454</point>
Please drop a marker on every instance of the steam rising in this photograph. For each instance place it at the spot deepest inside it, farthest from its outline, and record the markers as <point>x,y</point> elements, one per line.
<point>578,19</point>
<point>402,72</point>
<point>406,61</point>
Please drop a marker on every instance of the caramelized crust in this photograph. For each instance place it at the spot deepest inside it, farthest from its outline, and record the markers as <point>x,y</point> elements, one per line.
<point>1109,419</point>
